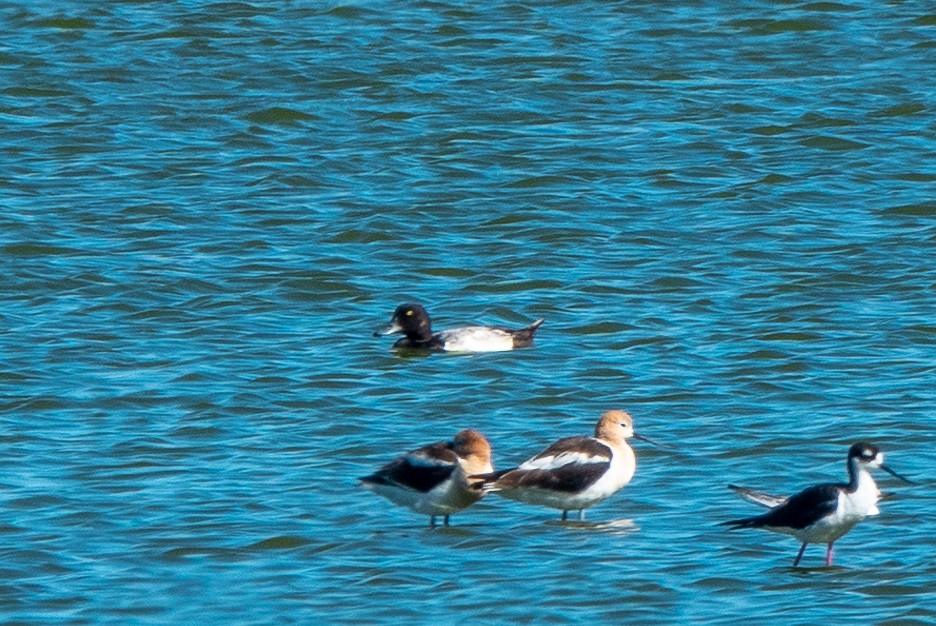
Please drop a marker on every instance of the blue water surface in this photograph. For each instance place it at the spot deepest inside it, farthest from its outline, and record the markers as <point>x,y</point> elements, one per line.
<point>724,211</point>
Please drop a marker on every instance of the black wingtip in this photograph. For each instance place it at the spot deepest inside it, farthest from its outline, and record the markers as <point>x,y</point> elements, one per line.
<point>373,479</point>
<point>489,476</point>
<point>747,522</point>
<point>479,482</point>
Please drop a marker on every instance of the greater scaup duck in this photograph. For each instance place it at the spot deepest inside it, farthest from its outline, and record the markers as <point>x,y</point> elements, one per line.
<point>574,473</point>
<point>413,321</point>
<point>821,513</point>
<point>434,480</point>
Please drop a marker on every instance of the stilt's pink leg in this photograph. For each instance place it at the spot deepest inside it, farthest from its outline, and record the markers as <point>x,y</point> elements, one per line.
<point>828,556</point>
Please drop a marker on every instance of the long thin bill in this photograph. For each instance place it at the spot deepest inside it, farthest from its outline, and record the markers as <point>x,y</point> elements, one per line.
<point>893,473</point>
<point>650,441</point>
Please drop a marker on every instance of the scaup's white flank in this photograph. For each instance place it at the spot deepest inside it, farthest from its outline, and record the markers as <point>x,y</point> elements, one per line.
<point>414,323</point>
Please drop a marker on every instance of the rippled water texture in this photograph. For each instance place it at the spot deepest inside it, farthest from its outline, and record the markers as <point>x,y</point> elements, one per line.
<point>724,211</point>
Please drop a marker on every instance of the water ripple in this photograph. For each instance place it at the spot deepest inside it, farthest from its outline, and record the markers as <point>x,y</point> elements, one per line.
<point>724,213</point>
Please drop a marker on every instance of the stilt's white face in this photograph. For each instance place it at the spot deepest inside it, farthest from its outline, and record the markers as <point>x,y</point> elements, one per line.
<point>873,462</point>
<point>867,455</point>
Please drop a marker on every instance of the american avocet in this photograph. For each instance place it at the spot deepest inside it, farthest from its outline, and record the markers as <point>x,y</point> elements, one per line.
<point>574,473</point>
<point>433,480</point>
<point>822,513</point>
<point>413,322</point>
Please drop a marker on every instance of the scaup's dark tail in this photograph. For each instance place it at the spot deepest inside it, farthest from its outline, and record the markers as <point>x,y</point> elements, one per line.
<point>524,336</point>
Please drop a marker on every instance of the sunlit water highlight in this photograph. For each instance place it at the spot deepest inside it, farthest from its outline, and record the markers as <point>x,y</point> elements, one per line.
<point>725,213</point>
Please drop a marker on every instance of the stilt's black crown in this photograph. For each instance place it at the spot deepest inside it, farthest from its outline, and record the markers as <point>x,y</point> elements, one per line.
<point>863,451</point>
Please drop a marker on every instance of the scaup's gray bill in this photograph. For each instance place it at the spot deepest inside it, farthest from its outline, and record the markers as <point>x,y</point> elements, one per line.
<point>412,320</point>
<point>821,513</point>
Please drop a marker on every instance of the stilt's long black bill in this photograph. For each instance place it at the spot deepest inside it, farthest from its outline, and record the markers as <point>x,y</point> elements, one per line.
<point>893,473</point>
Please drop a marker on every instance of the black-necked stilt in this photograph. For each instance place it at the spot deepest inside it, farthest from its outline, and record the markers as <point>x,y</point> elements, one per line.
<point>413,322</point>
<point>822,513</point>
<point>573,473</point>
<point>433,480</point>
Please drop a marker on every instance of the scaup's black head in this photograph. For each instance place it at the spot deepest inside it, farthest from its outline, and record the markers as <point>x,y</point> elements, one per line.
<point>411,320</point>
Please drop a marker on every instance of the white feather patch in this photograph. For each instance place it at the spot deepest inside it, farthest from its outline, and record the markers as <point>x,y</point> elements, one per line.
<point>566,458</point>
<point>476,339</point>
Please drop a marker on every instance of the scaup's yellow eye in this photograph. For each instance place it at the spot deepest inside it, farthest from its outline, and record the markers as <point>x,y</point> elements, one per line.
<point>409,313</point>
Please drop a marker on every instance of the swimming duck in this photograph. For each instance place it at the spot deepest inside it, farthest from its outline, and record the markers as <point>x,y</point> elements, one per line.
<point>413,321</point>
<point>574,473</point>
<point>434,479</point>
